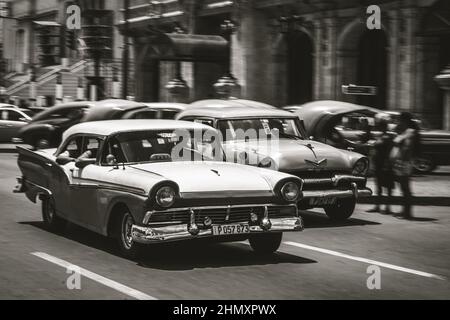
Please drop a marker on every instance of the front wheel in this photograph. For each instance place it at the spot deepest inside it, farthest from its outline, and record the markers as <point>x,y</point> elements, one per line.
<point>128,248</point>
<point>51,219</point>
<point>265,243</point>
<point>423,164</point>
<point>342,210</point>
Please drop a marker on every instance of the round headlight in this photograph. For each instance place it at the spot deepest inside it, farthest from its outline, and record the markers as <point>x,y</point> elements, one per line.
<point>290,191</point>
<point>165,196</point>
<point>361,167</point>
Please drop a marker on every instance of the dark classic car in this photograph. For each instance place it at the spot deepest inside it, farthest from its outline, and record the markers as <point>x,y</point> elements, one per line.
<point>46,128</point>
<point>11,121</point>
<point>142,182</point>
<point>332,178</point>
<point>343,124</point>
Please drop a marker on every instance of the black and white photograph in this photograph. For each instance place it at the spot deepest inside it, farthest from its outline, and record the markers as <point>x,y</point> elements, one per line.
<point>225,156</point>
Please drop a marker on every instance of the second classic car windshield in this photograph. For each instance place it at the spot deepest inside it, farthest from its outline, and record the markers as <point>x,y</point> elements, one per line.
<point>164,146</point>
<point>259,128</point>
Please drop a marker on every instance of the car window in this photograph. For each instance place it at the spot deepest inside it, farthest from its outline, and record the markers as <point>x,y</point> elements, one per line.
<point>259,128</point>
<point>165,146</point>
<point>208,122</point>
<point>14,116</point>
<point>90,148</point>
<point>4,115</point>
<point>73,148</point>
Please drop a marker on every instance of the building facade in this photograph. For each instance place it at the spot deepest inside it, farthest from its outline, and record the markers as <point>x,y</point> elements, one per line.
<point>293,51</point>
<point>282,51</point>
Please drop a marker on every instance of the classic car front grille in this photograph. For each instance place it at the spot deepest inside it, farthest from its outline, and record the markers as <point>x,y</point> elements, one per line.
<point>219,215</point>
<point>323,180</point>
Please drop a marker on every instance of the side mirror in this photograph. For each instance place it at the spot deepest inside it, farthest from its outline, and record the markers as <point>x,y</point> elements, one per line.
<point>83,163</point>
<point>311,137</point>
<point>62,160</point>
<point>24,120</point>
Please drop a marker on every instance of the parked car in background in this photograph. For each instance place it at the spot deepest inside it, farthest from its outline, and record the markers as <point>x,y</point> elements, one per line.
<point>233,103</point>
<point>9,106</point>
<point>46,128</point>
<point>342,124</point>
<point>162,110</point>
<point>332,178</point>
<point>11,121</point>
<point>124,179</point>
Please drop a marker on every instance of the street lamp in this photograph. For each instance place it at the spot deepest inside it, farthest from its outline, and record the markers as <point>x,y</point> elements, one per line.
<point>227,83</point>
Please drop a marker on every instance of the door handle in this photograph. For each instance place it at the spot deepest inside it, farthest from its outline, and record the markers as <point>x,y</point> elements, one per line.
<point>49,164</point>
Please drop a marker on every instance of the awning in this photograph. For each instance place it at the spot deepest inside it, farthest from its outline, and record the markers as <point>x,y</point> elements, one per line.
<point>187,47</point>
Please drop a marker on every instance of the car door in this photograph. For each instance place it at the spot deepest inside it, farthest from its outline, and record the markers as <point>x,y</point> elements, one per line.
<point>10,124</point>
<point>84,188</point>
<point>42,174</point>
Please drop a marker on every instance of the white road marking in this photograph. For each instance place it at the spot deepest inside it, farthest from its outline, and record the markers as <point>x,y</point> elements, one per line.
<point>369,261</point>
<point>98,278</point>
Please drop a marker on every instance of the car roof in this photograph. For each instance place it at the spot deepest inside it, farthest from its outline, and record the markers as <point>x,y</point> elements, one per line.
<point>166,105</point>
<point>41,115</point>
<point>235,113</point>
<point>7,105</point>
<point>312,112</point>
<point>109,127</point>
<point>108,109</point>
<point>221,103</point>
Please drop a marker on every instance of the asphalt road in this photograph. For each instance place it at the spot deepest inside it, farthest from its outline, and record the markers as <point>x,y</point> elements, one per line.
<point>325,261</point>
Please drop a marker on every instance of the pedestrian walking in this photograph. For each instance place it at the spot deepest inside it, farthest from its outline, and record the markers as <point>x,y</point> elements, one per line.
<point>384,176</point>
<point>406,146</point>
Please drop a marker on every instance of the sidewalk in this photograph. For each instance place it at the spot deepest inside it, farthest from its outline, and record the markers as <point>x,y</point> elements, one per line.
<point>429,190</point>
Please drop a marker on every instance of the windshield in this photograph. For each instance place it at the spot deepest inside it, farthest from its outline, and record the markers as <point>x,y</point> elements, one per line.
<point>259,128</point>
<point>163,146</point>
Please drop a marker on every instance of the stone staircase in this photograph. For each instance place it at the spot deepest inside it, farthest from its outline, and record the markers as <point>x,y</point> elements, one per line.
<point>46,81</point>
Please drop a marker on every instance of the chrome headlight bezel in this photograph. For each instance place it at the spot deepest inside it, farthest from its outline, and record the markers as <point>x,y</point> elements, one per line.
<point>165,192</point>
<point>361,167</point>
<point>290,187</point>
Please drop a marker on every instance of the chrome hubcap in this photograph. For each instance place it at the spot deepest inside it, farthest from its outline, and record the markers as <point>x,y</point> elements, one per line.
<point>127,238</point>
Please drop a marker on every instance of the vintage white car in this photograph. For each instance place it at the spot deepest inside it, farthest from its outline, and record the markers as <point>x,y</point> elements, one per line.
<point>148,181</point>
<point>332,178</point>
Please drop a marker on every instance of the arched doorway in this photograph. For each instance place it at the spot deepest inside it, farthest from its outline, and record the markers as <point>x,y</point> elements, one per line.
<point>372,67</point>
<point>363,60</point>
<point>299,71</point>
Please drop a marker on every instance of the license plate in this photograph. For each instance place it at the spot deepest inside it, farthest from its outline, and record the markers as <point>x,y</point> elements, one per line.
<point>322,201</point>
<point>220,230</point>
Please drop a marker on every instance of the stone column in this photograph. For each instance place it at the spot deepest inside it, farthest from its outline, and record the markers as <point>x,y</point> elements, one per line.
<point>443,80</point>
<point>392,51</point>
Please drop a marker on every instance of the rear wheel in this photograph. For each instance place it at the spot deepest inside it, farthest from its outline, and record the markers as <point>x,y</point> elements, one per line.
<point>265,243</point>
<point>342,210</point>
<point>51,219</point>
<point>128,248</point>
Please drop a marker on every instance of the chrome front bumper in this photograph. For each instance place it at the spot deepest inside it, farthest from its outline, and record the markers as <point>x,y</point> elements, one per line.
<point>356,193</point>
<point>147,234</point>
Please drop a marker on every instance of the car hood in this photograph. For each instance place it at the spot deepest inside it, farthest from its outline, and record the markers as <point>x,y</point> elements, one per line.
<point>293,155</point>
<point>213,178</point>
